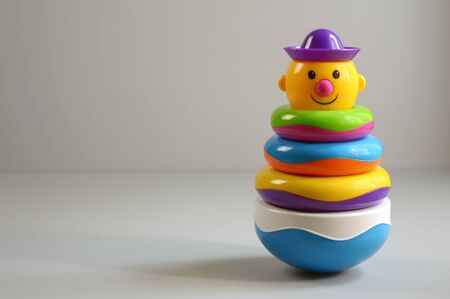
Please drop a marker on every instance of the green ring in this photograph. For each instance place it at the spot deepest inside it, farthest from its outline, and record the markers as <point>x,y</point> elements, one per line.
<point>336,120</point>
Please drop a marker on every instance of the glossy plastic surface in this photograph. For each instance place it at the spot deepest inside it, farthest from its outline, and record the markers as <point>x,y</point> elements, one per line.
<point>322,126</point>
<point>322,45</point>
<point>296,202</point>
<point>336,188</point>
<point>323,159</point>
<point>334,225</point>
<point>301,88</point>
<point>323,204</point>
<point>307,251</point>
<point>328,167</point>
<point>322,242</point>
<point>340,120</point>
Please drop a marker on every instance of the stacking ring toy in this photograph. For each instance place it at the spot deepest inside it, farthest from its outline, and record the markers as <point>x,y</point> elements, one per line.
<point>322,242</point>
<point>322,194</point>
<point>322,126</point>
<point>323,159</point>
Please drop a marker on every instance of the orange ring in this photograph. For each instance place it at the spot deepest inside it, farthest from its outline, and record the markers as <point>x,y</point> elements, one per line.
<point>326,167</point>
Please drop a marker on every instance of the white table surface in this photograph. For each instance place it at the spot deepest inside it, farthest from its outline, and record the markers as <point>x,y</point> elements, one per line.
<point>190,235</point>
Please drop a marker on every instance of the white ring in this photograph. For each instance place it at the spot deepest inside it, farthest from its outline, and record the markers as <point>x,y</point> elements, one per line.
<point>335,225</point>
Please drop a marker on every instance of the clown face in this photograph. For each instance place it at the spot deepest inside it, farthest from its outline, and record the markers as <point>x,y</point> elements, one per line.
<point>322,85</point>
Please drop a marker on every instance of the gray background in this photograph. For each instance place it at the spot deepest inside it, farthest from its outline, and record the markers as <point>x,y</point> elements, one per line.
<point>156,85</point>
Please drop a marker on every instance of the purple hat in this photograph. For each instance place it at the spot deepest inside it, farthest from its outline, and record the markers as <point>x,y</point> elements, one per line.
<point>322,45</point>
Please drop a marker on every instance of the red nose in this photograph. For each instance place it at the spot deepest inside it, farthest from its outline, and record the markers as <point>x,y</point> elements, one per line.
<point>324,88</point>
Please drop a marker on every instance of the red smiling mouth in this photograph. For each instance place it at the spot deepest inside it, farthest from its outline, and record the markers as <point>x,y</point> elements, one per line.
<point>325,103</point>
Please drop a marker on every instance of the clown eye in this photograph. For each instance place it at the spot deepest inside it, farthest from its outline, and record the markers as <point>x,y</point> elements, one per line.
<point>311,75</point>
<point>336,74</point>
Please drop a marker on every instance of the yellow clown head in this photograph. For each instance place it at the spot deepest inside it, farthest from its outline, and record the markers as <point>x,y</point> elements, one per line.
<point>322,75</point>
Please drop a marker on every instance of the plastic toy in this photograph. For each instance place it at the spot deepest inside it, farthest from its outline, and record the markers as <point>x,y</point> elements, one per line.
<point>321,193</point>
<point>322,75</point>
<point>322,126</point>
<point>322,242</point>
<point>323,159</point>
<point>322,202</point>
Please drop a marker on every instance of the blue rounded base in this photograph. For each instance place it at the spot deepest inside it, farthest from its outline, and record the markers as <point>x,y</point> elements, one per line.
<point>311,252</point>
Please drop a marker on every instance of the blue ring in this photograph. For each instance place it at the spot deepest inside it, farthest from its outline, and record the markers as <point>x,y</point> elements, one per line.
<point>368,149</point>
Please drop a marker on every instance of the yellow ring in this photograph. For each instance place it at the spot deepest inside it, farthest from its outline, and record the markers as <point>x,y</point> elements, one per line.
<point>334,188</point>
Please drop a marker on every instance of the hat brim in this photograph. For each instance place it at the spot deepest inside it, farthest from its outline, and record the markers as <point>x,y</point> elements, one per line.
<point>346,54</point>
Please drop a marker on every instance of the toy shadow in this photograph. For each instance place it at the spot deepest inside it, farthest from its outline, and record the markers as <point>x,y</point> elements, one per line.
<point>161,256</point>
<point>251,269</point>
